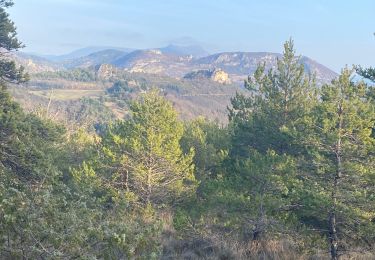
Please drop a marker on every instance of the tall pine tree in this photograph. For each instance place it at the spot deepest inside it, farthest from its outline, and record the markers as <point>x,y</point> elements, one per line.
<point>341,174</point>
<point>277,100</point>
<point>143,154</point>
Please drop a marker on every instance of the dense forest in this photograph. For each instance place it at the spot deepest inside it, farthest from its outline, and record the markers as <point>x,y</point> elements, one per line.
<point>291,176</point>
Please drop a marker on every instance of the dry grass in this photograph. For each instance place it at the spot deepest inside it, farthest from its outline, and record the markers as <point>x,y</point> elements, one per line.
<point>67,94</point>
<point>226,248</point>
<point>218,245</point>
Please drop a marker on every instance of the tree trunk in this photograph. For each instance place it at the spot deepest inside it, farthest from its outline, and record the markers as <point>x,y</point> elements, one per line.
<point>333,239</point>
<point>259,229</point>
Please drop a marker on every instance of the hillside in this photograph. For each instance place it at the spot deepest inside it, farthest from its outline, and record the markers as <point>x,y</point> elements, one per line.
<point>196,85</point>
<point>237,64</point>
<point>79,53</point>
<point>35,64</point>
<point>93,59</point>
<point>177,61</point>
<point>154,62</point>
<point>191,97</point>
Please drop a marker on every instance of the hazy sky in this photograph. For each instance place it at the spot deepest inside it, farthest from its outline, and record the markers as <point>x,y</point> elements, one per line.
<point>333,32</point>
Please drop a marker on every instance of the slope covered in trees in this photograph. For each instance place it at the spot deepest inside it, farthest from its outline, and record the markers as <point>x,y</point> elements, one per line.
<point>292,176</point>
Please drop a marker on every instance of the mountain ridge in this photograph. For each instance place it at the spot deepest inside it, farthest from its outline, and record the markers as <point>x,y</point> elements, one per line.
<point>170,62</point>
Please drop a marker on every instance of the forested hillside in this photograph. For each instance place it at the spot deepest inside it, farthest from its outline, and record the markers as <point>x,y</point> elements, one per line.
<point>290,175</point>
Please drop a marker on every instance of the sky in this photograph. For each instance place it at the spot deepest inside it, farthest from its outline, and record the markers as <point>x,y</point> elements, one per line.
<point>333,32</point>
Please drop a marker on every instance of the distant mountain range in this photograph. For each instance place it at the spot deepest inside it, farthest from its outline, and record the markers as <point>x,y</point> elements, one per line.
<point>174,61</point>
<point>196,82</point>
<point>80,53</point>
<point>93,59</point>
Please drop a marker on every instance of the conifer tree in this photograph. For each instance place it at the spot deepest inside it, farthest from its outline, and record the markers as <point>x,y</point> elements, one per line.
<point>276,102</point>
<point>143,153</point>
<point>210,143</point>
<point>368,73</point>
<point>9,72</point>
<point>341,176</point>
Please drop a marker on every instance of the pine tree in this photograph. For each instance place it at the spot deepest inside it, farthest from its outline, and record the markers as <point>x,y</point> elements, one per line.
<point>143,154</point>
<point>9,72</point>
<point>269,181</point>
<point>23,138</point>
<point>341,176</point>
<point>277,100</point>
<point>210,143</point>
<point>368,73</point>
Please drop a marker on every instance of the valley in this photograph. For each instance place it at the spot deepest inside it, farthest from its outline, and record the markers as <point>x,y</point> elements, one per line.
<point>197,83</point>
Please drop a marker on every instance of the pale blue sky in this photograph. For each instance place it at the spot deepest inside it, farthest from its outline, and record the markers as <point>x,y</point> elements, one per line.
<point>333,32</point>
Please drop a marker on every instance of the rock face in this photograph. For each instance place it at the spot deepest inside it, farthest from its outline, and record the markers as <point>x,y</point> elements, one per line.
<point>34,64</point>
<point>216,75</point>
<point>106,71</point>
<point>154,62</point>
<point>220,76</point>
